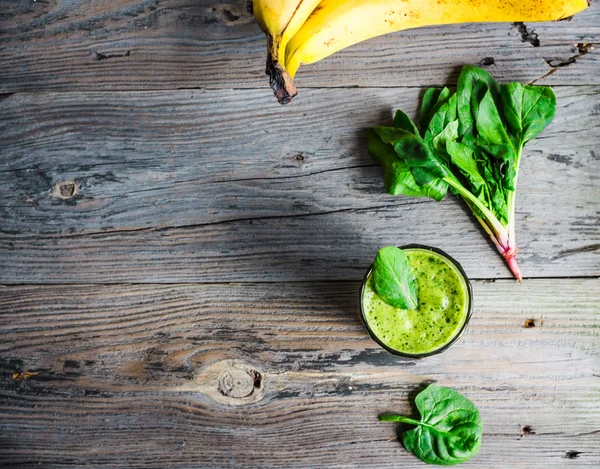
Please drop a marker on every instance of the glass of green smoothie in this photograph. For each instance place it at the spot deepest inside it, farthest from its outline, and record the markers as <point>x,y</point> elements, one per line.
<point>443,311</point>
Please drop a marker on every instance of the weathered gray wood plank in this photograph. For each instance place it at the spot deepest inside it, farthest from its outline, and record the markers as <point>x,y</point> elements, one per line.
<point>129,376</point>
<point>219,186</point>
<point>167,44</point>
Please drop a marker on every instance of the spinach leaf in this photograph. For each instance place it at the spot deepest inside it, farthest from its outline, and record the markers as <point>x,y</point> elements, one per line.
<point>425,165</point>
<point>450,429</point>
<point>436,188</point>
<point>440,141</point>
<point>402,121</point>
<point>397,176</point>
<point>467,82</point>
<point>393,278</point>
<point>429,100</point>
<point>480,88</point>
<point>444,115</point>
<point>492,137</point>
<point>528,109</point>
<point>493,179</point>
<point>464,159</point>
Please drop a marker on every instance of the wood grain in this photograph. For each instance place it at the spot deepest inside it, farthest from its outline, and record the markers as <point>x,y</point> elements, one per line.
<point>188,375</point>
<point>168,44</point>
<point>217,186</point>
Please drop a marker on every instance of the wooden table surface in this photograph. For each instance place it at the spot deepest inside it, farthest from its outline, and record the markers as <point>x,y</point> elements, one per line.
<point>180,256</point>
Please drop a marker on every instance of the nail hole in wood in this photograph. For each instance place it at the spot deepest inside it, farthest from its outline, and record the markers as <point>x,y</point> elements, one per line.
<point>527,430</point>
<point>529,323</point>
<point>572,454</point>
<point>257,378</point>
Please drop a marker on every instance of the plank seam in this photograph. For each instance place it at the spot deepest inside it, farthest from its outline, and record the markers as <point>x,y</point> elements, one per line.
<point>7,94</point>
<point>269,282</point>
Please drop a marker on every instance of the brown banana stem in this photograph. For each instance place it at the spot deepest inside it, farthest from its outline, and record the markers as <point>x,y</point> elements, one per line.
<point>281,82</point>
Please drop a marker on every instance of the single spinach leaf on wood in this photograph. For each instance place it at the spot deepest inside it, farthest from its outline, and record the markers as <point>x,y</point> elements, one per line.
<point>450,429</point>
<point>393,278</point>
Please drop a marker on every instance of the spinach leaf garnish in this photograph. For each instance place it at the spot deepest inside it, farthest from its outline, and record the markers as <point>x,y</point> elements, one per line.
<point>393,278</point>
<point>450,429</point>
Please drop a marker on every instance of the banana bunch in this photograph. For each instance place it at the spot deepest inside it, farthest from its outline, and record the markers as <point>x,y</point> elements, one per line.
<point>306,31</point>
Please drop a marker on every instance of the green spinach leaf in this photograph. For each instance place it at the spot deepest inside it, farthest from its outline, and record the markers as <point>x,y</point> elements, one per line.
<point>441,99</point>
<point>528,109</point>
<point>464,159</point>
<point>465,87</point>
<point>429,100</point>
<point>425,165</point>
<point>441,140</point>
<point>397,175</point>
<point>440,120</point>
<point>450,429</point>
<point>492,137</point>
<point>393,278</point>
<point>491,171</point>
<point>402,121</point>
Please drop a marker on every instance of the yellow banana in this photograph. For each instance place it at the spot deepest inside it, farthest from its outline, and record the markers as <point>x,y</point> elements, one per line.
<point>280,20</point>
<point>337,24</point>
<point>303,11</point>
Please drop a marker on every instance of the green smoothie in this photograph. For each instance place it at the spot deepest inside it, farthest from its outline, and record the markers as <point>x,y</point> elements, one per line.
<point>443,296</point>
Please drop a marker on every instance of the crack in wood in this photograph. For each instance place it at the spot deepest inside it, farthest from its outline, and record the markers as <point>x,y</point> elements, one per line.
<point>296,176</point>
<point>221,222</point>
<point>98,56</point>
<point>578,250</point>
<point>554,64</point>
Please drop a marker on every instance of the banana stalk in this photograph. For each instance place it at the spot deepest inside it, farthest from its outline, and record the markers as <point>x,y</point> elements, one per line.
<point>280,20</point>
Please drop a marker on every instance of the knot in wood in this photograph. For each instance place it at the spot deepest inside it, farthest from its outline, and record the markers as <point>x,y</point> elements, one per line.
<point>66,189</point>
<point>238,383</point>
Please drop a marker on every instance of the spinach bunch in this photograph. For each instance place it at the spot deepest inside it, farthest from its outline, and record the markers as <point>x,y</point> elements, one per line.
<point>470,143</point>
<point>450,429</point>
